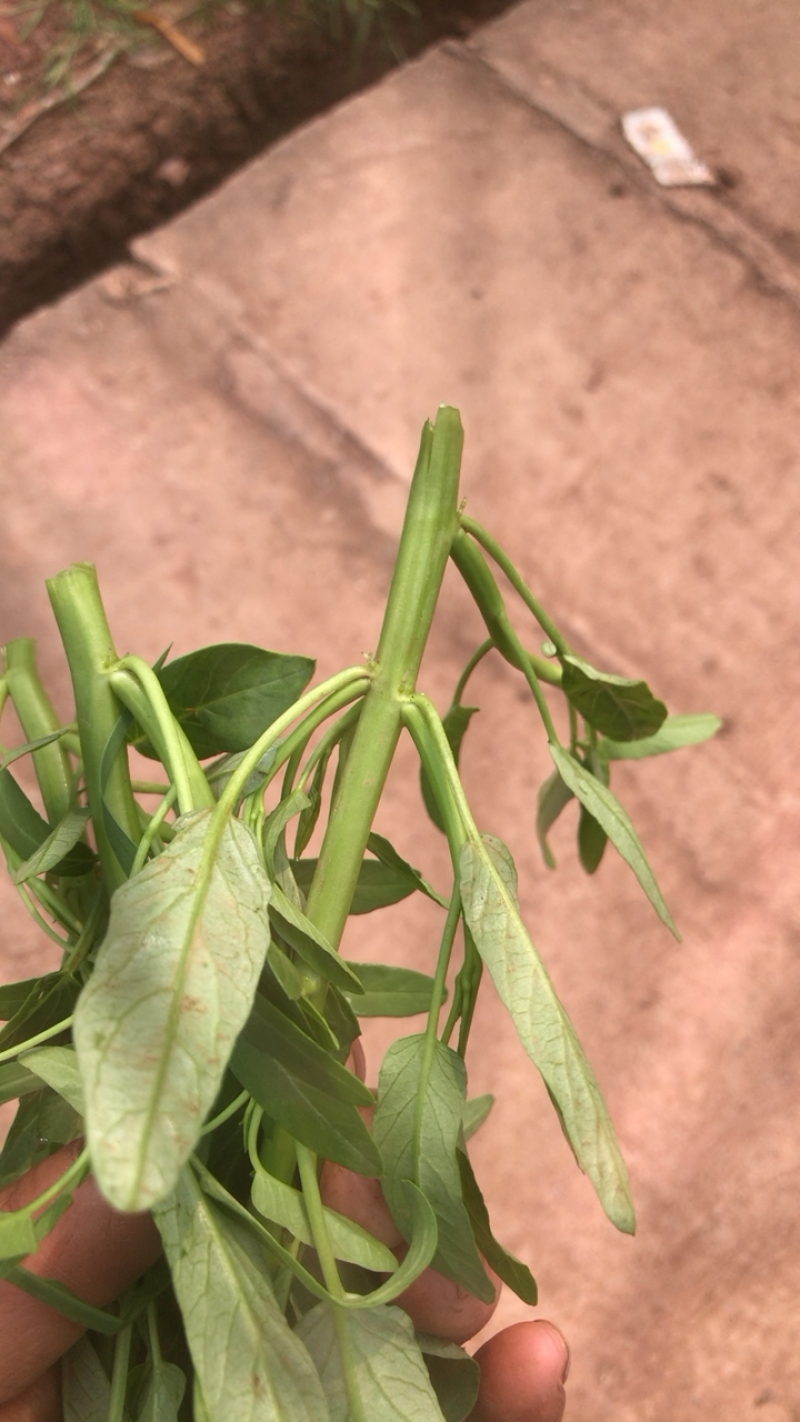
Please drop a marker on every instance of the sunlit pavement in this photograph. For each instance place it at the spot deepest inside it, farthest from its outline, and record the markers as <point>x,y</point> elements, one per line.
<point>227,426</point>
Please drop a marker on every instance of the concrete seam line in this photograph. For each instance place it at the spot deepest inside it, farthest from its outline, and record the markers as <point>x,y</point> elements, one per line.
<point>738,237</point>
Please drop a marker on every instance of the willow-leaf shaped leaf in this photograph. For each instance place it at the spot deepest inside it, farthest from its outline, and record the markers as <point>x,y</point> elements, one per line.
<point>609,813</point>
<point>690,729</point>
<point>251,1366</point>
<point>543,1026</point>
<point>173,985</point>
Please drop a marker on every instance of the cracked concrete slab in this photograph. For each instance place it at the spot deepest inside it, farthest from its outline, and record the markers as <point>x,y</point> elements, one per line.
<point>228,426</point>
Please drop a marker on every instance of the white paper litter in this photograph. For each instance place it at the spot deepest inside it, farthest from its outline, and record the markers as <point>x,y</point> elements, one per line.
<point>654,135</point>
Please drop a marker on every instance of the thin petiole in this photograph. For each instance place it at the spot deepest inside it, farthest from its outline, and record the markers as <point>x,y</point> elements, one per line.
<point>36,1041</point>
<point>153,826</point>
<point>475,659</point>
<point>492,547</point>
<point>225,1115</point>
<point>61,1186</point>
<point>78,948</point>
<point>119,1376</point>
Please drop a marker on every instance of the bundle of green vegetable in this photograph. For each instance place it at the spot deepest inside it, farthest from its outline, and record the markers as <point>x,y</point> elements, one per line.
<point>199,1030</point>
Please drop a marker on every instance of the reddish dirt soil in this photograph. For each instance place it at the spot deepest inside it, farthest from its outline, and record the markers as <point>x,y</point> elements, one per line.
<point>155,132</point>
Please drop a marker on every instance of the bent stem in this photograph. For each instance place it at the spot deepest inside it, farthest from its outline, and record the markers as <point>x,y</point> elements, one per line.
<point>430,525</point>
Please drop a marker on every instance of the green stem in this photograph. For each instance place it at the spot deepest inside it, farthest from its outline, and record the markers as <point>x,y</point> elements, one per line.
<point>73,1175</point>
<point>37,1040</point>
<point>501,558</point>
<point>355,677</point>
<point>428,531</point>
<point>307,1165</point>
<point>138,687</point>
<point>38,718</point>
<point>119,1376</point>
<point>81,618</point>
<point>152,828</point>
<point>474,661</point>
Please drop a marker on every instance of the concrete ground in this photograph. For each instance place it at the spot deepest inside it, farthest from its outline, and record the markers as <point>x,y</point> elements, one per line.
<point>227,426</point>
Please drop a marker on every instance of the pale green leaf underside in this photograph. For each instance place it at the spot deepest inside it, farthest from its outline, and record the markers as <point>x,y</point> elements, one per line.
<point>544,1028</point>
<point>388,1372</point>
<point>86,1391</point>
<point>285,1206</point>
<point>607,810</point>
<point>416,1127</point>
<point>251,1366</point>
<point>173,986</point>
<point>675,733</point>
<point>164,1394</point>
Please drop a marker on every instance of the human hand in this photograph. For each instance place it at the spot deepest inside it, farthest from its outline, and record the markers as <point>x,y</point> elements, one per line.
<point>98,1253</point>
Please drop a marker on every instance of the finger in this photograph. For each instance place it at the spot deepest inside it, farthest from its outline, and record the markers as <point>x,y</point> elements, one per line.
<point>523,1371</point>
<point>437,1305</point>
<point>434,1302</point>
<point>93,1249</point>
<point>39,1403</point>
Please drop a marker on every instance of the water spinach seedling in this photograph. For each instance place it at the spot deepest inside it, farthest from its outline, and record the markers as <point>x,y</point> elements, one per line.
<point>198,1033</point>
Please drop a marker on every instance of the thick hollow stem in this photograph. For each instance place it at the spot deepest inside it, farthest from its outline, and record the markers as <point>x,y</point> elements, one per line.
<point>430,525</point>
<point>81,618</point>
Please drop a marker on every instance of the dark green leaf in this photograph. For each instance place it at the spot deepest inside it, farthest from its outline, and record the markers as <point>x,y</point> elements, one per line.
<point>16,1080</point>
<point>292,981</point>
<point>23,1146</point>
<point>227,695</point>
<point>675,733</point>
<point>377,887</point>
<point>251,1367</point>
<point>120,841</point>
<point>455,725</point>
<point>334,1129</point>
<point>25,830</point>
<point>54,850</point>
<point>14,995</point>
<point>342,1019</point>
<point>387,854</point>
<point>454,1374</point>
<point>510,1269</point>
<point>553,796</point>
<point>270,1032</point>
<point>623,709</point>
<point>312,946</point>
<point>544,1028</point>
<point>42,1123</point>
<point>391,992</point>
<point>387,1368</point>
<point>606,808</point>
<point>173,985</point>
<point>51,999</point>
<point>420,1145</point>
<point>592,841</point>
